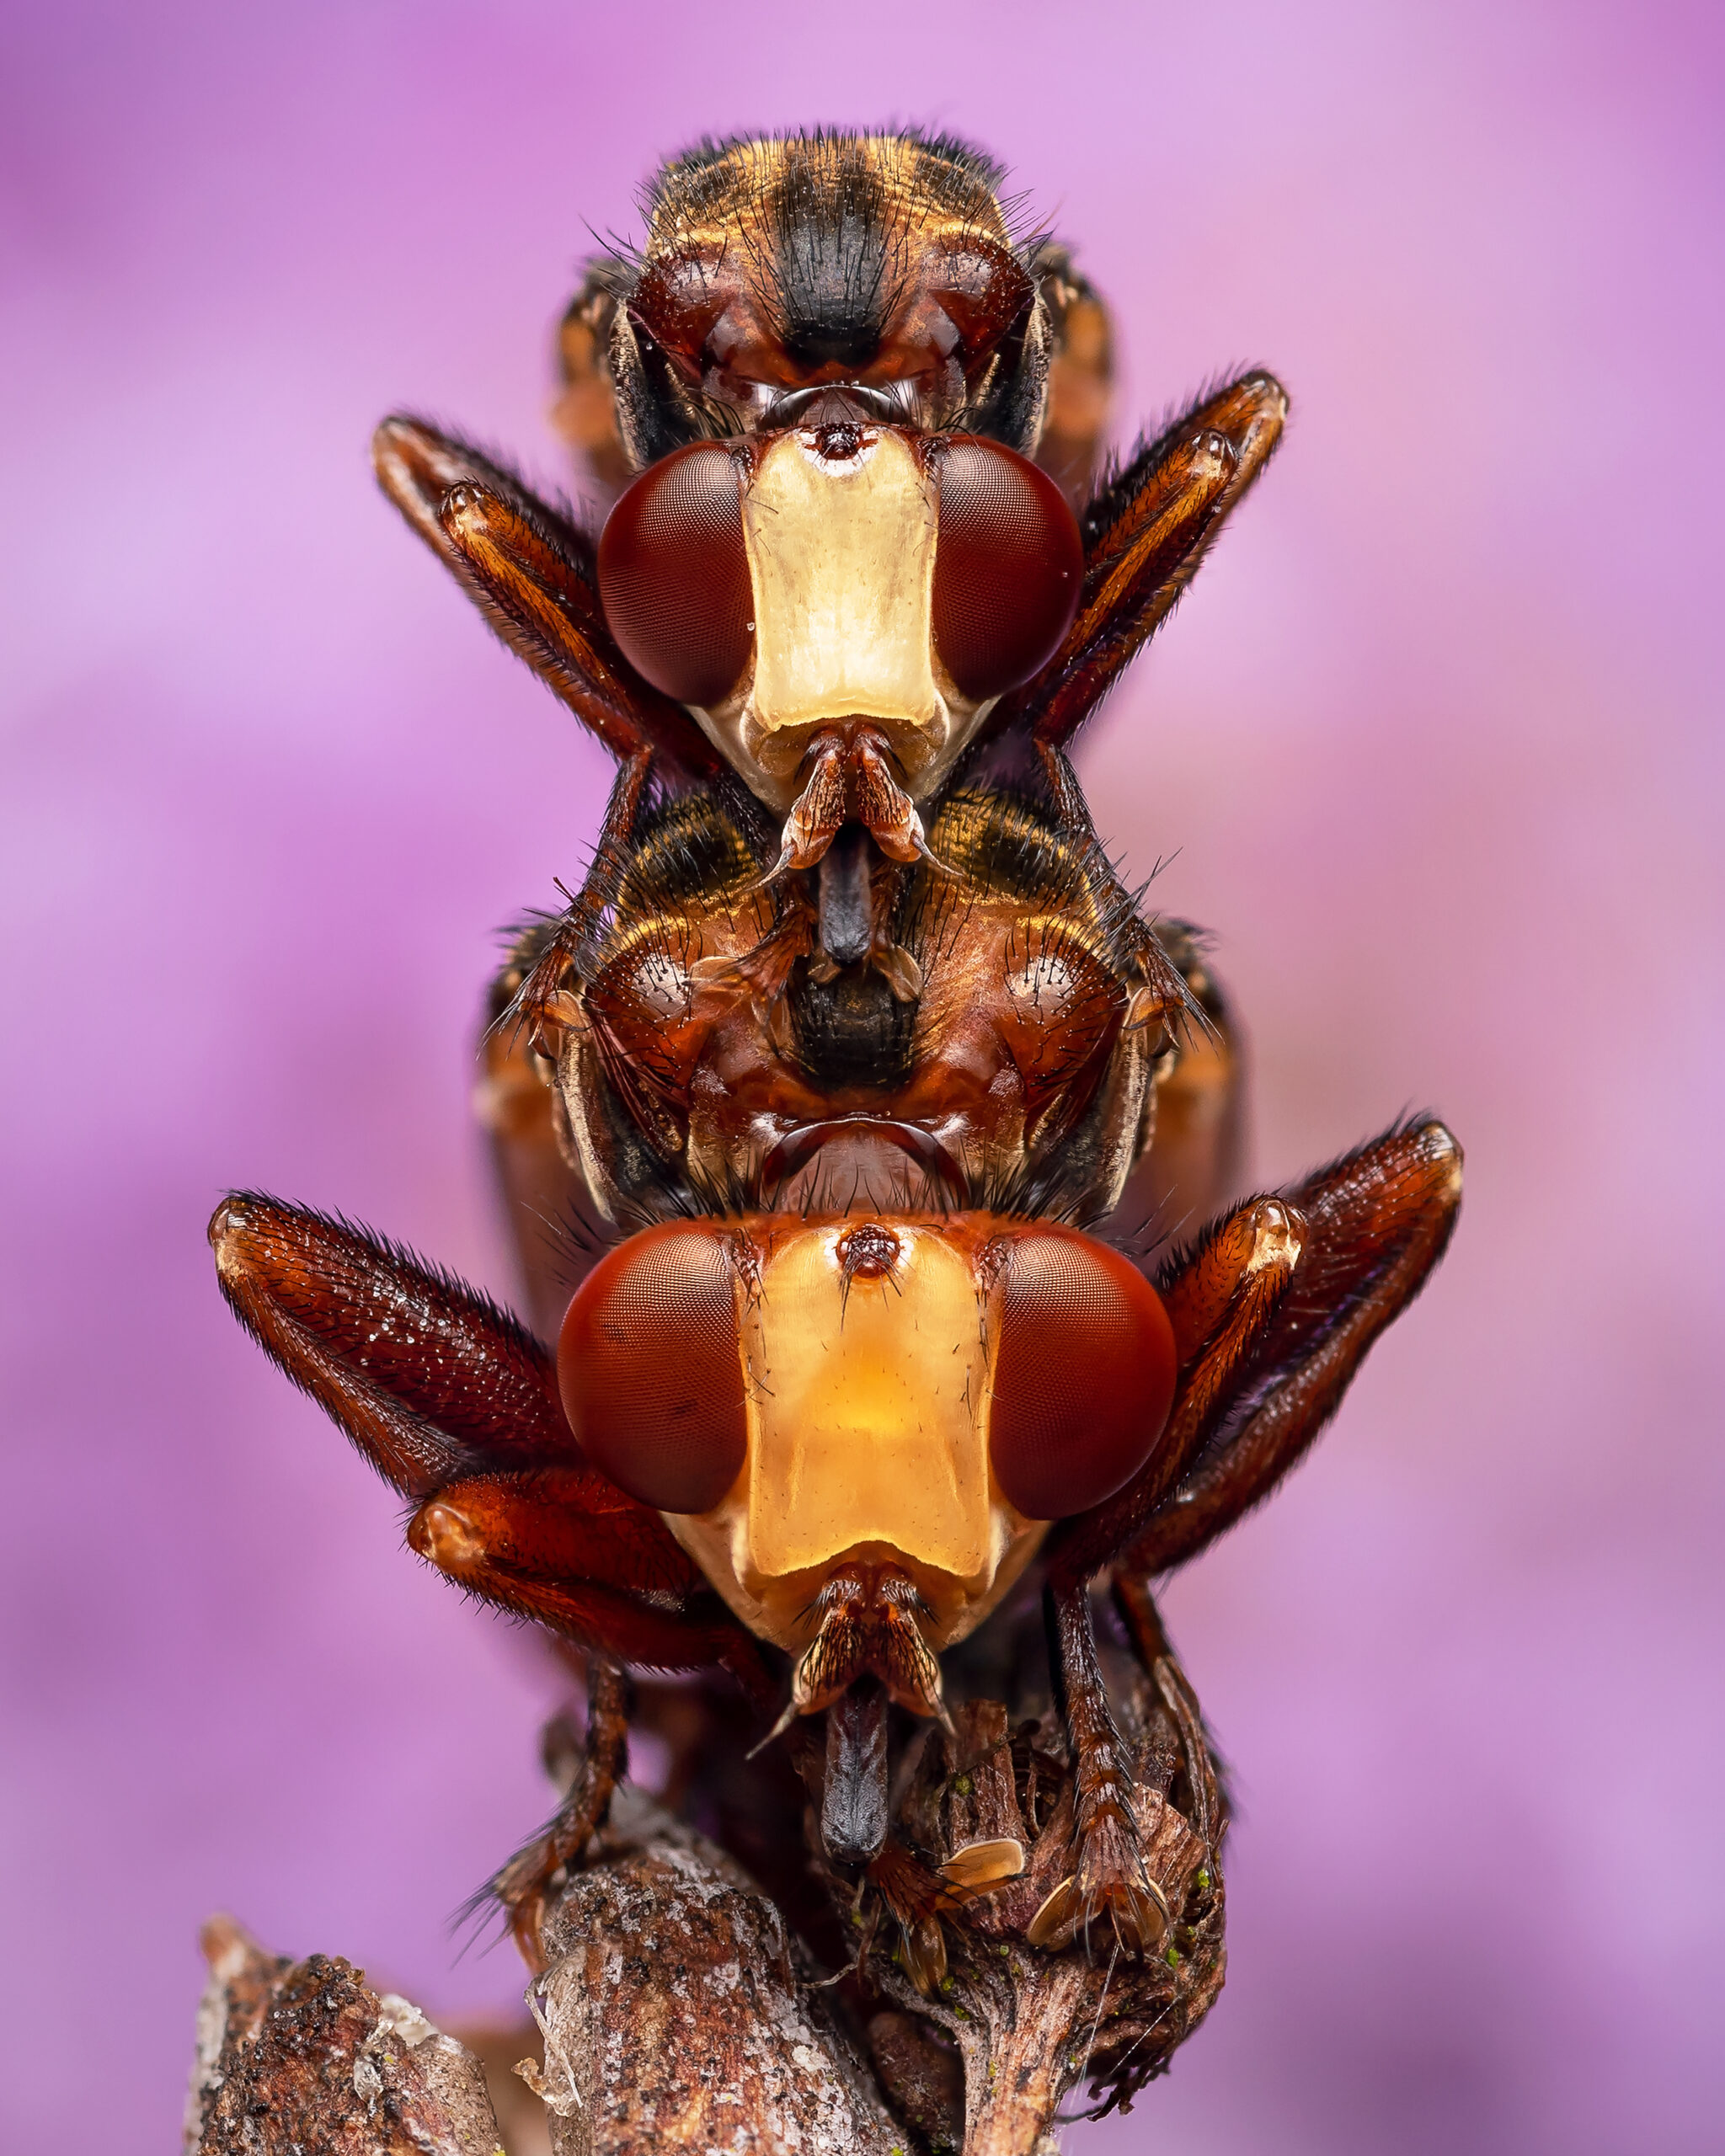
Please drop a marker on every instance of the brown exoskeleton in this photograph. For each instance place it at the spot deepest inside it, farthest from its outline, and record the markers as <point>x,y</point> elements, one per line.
<point>852,1036</point>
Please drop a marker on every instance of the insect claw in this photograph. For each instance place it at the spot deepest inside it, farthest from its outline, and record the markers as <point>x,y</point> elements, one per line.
<point>1057,1912</point>
<point>983,1863</point>
<point>924,1954</point>
<point>786,858</point>
<point>778,1729</point>
<point>1141,1917</point>
<point>1137,1908</point>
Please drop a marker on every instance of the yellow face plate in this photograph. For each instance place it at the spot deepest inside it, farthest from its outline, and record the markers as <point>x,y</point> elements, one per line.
<point>842,557</point>
<point>842,567</point>
<point>867,1435</point>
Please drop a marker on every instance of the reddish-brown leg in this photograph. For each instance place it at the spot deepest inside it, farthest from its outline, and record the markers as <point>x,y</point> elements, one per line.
<point>1191,1168</point>
<point>1135,1604</point>
<point>1080,379</point>
<point>585,414</point>
<point>556,1241</point>
<point>530,572</point>
<point>1273,1313</point>
<point>526,1882</point>
<point>1375,1223</point>
<point>1145,535</point>
<point>429,1378</point>
<point>457,1405</point>
<point>532,1001</point>
<point>1110,1880</point>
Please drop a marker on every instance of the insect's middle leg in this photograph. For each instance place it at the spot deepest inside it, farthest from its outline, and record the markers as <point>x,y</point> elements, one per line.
<point>524,1882</point>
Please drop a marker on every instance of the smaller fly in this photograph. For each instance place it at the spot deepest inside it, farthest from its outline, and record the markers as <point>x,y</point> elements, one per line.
<point>853,1040</point>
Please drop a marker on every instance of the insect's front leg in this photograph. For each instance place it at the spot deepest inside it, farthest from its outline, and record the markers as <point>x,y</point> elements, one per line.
<point>1110,1880</point>
<point>531,571</point>
<point>1145,535</point>
<point>1273,1313</point>
<point>457,1405</point>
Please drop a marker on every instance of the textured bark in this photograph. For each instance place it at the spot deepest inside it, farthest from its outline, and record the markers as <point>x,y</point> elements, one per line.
<point>1031,2024</point>
<point>676,2011</point>
<point>679,2008</point>
<point>304,2057</point>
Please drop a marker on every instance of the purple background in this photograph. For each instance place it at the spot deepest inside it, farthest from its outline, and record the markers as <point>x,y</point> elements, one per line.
<point>1435,739</point>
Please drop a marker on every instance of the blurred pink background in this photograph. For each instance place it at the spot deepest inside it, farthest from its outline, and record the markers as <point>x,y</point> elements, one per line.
<point>1436,741</point>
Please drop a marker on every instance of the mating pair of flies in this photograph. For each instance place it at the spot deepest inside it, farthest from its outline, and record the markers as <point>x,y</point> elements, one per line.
<point>853,1039</point>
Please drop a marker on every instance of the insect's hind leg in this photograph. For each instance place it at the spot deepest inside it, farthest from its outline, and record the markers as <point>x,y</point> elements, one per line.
<point>1375,1223</point>
<point>1273,1313</point>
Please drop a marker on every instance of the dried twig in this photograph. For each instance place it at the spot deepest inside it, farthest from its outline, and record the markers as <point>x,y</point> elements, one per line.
<point>304,2056</point>
<point>679,2008</point>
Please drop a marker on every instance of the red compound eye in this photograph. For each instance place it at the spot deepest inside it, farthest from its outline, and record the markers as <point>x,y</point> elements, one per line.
<point>1007,567</point>
<point>650,1368</point>
<point>674,575</point>
<point>1084,1377</point>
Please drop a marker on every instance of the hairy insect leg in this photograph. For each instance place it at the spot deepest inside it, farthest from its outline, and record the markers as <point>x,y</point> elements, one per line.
<point>1220,1309</point>
<point>1272,1314</point>
<point>1110,1879</point>
<point>1145,535</point>
<point>1375,1223</point>
<point>1219,1304</point>
<point>548,1206</point>
<point>1193,1141</point>
<point>585,412</point>
<point>1207,1794</point>
<point>545,1206</point>
<point>524,1883</point>
<point>567,1548</point>
<point>531,571</point>
<point>457,1405</point>
<point>1080,378</point>
<point>427,1377</point>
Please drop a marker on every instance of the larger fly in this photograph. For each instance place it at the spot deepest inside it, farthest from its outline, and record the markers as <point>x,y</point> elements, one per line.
<point>852,1041</point>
